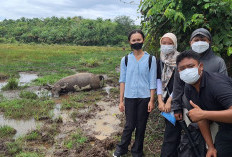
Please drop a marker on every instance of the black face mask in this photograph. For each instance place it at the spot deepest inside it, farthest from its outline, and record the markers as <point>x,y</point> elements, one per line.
<point>137,46</point>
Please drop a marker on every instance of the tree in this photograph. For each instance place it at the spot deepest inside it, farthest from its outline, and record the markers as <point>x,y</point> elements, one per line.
<point>125,25</point>
<point>182,17</point>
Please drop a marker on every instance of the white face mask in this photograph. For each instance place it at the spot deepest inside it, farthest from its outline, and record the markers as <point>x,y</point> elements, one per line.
<point>190,75</point>
<point>200,46</point>
<point>166,49</point>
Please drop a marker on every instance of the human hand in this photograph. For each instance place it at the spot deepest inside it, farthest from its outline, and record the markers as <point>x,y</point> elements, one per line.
<point>167,106</point>
<point>150,106</point>
<point>121,106</point>
<point>161,106</point>
<point>196,114</point>
<point>212,152</point>
<point>178,116</point>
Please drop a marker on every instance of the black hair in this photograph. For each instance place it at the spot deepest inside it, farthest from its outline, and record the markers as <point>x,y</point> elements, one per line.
<point>187,54</point>
<point>135,31</point>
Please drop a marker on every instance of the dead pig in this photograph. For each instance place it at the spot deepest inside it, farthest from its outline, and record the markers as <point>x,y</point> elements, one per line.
<point>77,82</point>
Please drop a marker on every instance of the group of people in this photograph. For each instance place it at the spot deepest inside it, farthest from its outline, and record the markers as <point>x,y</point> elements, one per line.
<point>195,80</point>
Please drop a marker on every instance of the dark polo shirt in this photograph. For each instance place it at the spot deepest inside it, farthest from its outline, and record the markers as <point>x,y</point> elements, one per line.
<point>215,93</point>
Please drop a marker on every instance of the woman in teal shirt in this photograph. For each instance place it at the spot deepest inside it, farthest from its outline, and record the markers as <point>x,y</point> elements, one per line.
<point>137,87</point>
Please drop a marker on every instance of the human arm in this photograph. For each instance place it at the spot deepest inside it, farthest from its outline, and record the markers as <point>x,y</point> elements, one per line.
<point>160,103</point>
<point>151,102</point>
<point>205,131</point>
<point>167,106</point>
<point>224,116</point>
<point>152,83</point>
<point>159,87</point>
<point>121,104</point>
<point>220,90</point>
<point>178,91</point>
<point>222,67</point>
<point>197,114</point>
<point>159,92</point>
<point>122,81</point>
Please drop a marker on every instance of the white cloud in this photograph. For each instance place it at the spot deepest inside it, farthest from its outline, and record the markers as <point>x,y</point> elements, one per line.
<point>14,9</point>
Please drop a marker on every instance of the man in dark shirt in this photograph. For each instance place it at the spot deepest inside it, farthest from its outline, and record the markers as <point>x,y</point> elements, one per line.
<point>199,41</point>
<point>210,96</point>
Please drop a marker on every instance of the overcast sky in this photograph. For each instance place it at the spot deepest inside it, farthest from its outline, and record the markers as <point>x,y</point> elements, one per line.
<point>106,9</point>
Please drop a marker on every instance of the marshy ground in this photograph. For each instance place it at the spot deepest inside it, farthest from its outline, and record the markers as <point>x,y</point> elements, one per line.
<point>86,123</point>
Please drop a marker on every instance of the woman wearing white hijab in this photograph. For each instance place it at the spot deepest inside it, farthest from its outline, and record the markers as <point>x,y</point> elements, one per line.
<point>165,78</point>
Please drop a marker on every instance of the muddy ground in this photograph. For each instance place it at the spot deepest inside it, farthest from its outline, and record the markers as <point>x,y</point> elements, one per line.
<point>99,122</point>
<point>100,125</point>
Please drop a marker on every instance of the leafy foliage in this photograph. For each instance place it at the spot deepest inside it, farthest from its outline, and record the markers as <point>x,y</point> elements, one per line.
<point>74,30</point>
<point>182,17</point>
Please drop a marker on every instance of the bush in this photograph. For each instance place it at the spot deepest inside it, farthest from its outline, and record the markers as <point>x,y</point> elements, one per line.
<point>3,40</point>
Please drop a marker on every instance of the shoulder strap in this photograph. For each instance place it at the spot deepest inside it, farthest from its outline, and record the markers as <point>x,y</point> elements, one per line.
<point>149,61</point>
<point>126,60</point>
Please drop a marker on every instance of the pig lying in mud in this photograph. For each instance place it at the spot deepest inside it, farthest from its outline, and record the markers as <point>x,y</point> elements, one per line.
<point>77,82</point>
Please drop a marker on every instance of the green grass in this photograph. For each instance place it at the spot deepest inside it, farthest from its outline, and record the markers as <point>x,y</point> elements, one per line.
<point>53,62</point>
<point>26,108</point>
<point>11,84</point>
<point>34,135</point>
<point>75,140</point>
<point>7,131</point>
<point>28,95</point>
<point>2,98</point>
<point>14,147</point>
<point>82,98</point>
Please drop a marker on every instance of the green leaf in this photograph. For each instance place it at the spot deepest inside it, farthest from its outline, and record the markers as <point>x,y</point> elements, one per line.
<point>229,51</point>
<point>206,6</point>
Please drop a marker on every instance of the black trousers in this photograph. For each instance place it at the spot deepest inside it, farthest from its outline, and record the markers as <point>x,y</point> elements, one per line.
<point>136,118</point>
<point>223,142</point>
<point>171,141</point>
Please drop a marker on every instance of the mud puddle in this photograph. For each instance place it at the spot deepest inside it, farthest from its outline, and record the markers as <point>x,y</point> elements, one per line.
<point>106,121</point>
<point>26,78</point>
<point>21,126</point>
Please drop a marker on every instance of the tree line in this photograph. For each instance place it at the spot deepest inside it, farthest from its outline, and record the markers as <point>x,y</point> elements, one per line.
<point>75,30</point>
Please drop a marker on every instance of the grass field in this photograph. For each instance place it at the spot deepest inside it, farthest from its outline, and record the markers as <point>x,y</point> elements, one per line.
<point>51,63</point>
